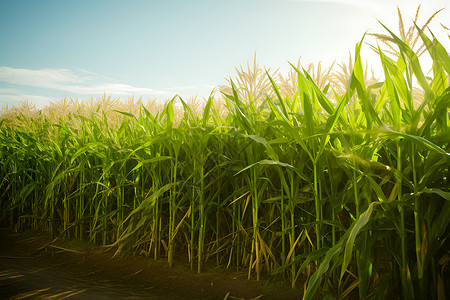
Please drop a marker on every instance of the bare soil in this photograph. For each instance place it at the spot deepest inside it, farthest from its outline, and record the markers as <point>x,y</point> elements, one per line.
<point>34,267</point>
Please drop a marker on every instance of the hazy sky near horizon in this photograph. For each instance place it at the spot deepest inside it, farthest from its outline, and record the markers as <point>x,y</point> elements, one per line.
<point>156,49</point>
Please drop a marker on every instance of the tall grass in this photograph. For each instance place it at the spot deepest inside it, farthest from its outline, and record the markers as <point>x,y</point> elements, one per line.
<point>337,194</point>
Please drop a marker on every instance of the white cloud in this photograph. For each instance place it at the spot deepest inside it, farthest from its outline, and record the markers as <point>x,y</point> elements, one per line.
<point>80,83</point>
<point>47,78</point>
<point>32,85</point>
<point>377,5</point>
<point>178,88</point>
<point>9,91</point>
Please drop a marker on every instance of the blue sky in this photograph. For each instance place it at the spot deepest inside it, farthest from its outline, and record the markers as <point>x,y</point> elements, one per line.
<point>84,48</point>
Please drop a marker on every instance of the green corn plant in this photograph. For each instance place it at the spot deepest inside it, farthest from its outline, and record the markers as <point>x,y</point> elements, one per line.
<point>345,194</point>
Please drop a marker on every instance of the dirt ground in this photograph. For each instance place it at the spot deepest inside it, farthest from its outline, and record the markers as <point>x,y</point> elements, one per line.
<point>31,270</point>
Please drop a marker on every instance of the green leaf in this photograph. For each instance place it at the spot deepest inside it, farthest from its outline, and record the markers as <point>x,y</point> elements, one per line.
<point>443,194</point>
<point>168,111</point>
<point>436,50</point>
<point>270,152</point>
<point>280,99</point>
<point>125,113</point>
<point>357,82</point>
<point>306,101</point>
<point>189,115</point>
<point>359,224</point>
<point>316,278</point>
<point>266,162</point>
<point>206,111</point>
<point>428,144</point>
<point>414,61</point>
<point>150,161</point>
<point>392,91</point>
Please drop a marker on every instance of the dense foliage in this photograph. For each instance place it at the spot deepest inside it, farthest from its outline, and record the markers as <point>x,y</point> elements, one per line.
<point>336,194</point>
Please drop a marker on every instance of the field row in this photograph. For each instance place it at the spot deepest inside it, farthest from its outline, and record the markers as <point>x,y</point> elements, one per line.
<point>343,194</point>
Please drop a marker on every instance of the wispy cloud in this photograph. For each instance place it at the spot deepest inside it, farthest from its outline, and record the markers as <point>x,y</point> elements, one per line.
<point>34,85</point>
<point>80,83</point>
<point>178,88</point>
<point>361,3</point>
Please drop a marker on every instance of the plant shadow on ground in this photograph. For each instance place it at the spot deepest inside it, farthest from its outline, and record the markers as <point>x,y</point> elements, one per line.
<point>32,267</point>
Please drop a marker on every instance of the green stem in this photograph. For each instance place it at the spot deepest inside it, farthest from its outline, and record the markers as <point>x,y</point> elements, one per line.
<point>202,222</point>
<point>318,207</point>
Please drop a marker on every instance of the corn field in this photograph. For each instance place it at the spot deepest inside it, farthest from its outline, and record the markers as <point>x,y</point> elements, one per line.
<point>335,193</point>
